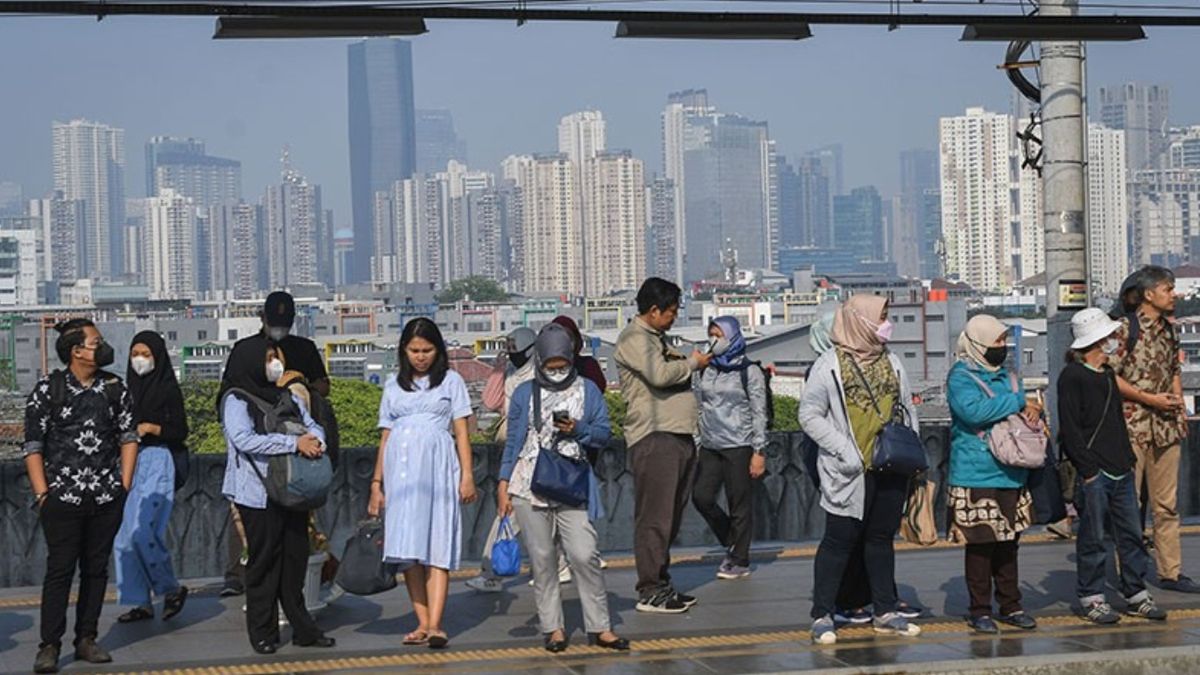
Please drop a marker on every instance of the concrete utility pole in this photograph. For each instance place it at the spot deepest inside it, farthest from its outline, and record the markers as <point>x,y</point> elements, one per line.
<point>1064,189</point>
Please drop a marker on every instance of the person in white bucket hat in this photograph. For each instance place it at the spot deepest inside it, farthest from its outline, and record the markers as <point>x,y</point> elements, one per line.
<point>1093,434</point>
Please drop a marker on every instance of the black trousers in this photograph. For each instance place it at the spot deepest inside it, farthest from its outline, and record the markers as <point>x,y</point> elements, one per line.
<point>728,468</point>
<point>278,543</point>
<point>882,509</point>
<point>988,565</point>
<point>663,467</point>
<point>76,536</point>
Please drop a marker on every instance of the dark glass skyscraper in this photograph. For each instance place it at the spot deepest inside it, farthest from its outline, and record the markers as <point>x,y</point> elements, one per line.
<point>383,145</point>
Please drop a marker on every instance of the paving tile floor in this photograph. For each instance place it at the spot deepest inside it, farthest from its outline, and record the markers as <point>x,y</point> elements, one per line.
<point>763,616</point>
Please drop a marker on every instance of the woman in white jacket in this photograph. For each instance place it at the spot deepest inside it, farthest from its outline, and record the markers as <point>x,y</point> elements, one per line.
<point>849,396</point>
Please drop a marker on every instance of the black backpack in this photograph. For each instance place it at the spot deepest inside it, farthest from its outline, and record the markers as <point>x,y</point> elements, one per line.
<point>770,411</point>
<point>58,398</point>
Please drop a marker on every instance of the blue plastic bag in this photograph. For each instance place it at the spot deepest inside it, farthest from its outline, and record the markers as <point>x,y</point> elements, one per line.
<point>506,552</point>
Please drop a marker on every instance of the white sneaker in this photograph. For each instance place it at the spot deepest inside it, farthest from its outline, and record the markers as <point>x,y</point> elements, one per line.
<point>485,584</point>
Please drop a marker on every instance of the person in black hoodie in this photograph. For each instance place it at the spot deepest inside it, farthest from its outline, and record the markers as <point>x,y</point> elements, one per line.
<point>142,557</point>
<point>1093,434</point>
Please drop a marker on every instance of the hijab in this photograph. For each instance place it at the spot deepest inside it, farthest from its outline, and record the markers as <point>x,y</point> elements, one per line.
<point>246,370</point>
<point>732,358</point>
<point>554,342</point>
<point>854,327</point>
<point>586,365</point>
<point>981,331</point>
<point>156,396</point>
<point>818,334</point>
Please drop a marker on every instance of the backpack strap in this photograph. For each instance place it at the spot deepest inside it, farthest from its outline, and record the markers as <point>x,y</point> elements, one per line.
<point>1134,331</point>
<point>1012,382</point>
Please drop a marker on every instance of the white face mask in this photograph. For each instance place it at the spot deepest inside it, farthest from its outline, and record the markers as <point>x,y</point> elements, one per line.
<point>277,333</point>
<point>558,375</point>
<point>1110,346</point>
<point>142,365</point>
<point>274,370</point>
<point>718,346</point>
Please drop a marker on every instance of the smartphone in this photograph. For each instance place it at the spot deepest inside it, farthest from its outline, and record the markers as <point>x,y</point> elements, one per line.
<point>561,416</point>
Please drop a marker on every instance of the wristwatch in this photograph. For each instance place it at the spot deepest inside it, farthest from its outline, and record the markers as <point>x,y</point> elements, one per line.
<point>37,500</point>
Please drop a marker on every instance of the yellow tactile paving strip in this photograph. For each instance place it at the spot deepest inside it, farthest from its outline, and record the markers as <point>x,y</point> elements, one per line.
<point>713,646</point>
<point>627,562</point>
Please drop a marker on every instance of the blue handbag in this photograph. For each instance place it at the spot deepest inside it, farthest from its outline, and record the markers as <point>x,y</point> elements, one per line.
<point>556,477</point>
<point>898,449</point>
<point>506,553</point>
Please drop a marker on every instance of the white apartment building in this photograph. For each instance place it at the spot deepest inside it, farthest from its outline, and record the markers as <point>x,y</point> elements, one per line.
<point>1108,209</point>
<point>991,208</point>
<point>171,250</point>
<point>89,165</point>
<point>614,222</point>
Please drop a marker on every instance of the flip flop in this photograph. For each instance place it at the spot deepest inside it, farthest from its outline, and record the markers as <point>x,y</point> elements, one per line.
<point>416,638</point>
<point>174,602</point>
<point>438,640</point>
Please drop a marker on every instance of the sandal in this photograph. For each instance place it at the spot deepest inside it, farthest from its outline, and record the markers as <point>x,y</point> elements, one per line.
<point>438,640</point>
<point>136,614</point>
<point>173,604</point>
<point>416,638</point>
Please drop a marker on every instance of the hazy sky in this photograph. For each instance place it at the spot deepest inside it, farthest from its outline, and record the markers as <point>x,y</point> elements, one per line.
<point>875,92</point>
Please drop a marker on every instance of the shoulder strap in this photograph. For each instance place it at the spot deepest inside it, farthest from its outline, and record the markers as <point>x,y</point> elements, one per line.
<point>863,379</point>
<point>1104,413</point>
<point>1012,382</point>
<point>535,399</point>
<point>982,385</point>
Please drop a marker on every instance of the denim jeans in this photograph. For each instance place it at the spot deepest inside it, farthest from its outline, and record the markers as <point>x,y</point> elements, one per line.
<point>1104,501</point>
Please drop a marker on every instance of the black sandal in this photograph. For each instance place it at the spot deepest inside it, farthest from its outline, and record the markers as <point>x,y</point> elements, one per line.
<point>556,646</point>
<point>173,604</point>
<point>620,644</point>
<point>136,614</point>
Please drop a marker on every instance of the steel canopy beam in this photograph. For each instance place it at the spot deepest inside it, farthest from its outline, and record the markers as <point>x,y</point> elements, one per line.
<point>105,8</point>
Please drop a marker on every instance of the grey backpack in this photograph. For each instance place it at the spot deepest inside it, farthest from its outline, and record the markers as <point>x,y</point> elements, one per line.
<point>1012,440</point>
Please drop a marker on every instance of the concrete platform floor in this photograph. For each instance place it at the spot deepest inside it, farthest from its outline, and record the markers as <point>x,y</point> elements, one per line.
<point>757,624</point>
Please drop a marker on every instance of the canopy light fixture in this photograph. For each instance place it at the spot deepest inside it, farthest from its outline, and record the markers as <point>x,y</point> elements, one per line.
<point>233,27</point>
<point>1033,31</point>
<point>714,30</point>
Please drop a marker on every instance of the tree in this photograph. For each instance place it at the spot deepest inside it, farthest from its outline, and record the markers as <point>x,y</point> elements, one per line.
<point>200,404</point>
<point>356,405</point>
<point>478,289</point>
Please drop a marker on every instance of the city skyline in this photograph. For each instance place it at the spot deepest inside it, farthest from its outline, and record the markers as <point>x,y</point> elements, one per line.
<point>626,81</point>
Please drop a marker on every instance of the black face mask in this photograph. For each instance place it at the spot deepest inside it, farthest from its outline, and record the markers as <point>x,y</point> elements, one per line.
<point>996,356</point>
<point>518,359</point>
<point>103,355</point>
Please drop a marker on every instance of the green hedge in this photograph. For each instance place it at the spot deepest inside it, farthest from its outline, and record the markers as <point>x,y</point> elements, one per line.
<point>357,406</point>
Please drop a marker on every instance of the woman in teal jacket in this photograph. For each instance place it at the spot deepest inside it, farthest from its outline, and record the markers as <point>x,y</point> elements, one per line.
<point>988,503</point>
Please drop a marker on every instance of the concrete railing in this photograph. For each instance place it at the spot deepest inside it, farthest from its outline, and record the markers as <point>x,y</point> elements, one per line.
<point>785,505</point>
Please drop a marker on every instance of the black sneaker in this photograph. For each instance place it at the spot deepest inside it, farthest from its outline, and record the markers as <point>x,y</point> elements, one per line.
<point>230,590</point>
<point>1181,585</point>
<point>662,602</point>
<point>1146,609</point>
<point>1018,619</point>
<point>909,611</point>
<point>687,600</point>
<point>1101,612</point>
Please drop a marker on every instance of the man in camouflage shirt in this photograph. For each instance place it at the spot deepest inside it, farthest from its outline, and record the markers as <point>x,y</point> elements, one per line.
<point>1150,382</point>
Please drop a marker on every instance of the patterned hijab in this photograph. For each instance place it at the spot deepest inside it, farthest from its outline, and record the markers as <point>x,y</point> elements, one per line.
<point>854,328</point>
<point>981,331</point>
